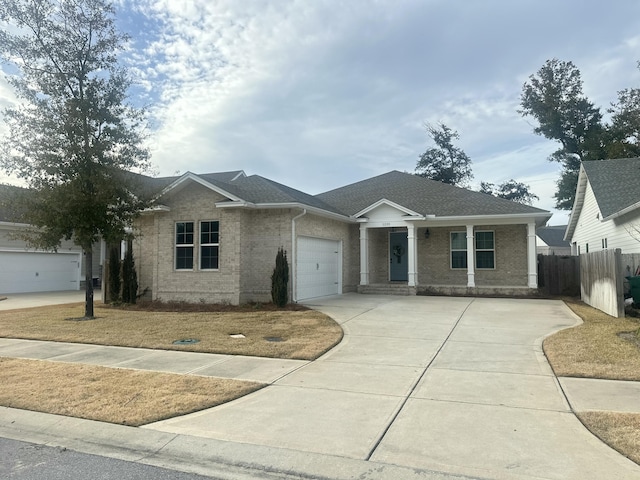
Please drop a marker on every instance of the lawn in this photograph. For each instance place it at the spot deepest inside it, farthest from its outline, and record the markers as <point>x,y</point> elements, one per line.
<point>138,397</point>
<point>601,347</point>
<point>301,334</point>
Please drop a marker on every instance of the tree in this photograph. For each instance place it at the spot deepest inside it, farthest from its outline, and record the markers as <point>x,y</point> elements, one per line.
<point>129,277</point>
<point>624,132</point>
<point>280,279</point>
<point>444,162</point>
<point>73,137</point>
<point>554,97</point>
<point>510,190</point>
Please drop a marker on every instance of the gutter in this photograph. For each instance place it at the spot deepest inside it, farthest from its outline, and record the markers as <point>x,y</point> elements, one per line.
<point>294,276</point>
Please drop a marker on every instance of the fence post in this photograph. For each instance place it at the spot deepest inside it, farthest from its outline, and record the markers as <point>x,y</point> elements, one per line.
<point>619,282</point>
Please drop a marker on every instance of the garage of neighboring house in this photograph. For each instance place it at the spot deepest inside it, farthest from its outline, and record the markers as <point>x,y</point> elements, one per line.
<point>23,272</point>
<point>318,267</point>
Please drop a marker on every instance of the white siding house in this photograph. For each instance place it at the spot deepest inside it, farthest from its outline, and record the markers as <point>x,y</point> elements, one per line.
<point>606,210</point>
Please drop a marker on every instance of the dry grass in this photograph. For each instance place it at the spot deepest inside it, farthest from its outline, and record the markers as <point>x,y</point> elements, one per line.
<point>619,430</point>
<point>602,347</point>
<point>595,349</point>
<point>305,334</point>
<point>111,395</point>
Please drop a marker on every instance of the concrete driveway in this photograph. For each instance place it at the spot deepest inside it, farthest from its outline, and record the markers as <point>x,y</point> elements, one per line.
<point>11,301</point>
<point>455,385</point>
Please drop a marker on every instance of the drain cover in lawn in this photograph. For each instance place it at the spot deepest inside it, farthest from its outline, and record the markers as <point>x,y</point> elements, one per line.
<point>186,341</point>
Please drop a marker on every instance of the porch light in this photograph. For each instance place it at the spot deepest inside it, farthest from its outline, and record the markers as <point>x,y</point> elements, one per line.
<point>427,233</point>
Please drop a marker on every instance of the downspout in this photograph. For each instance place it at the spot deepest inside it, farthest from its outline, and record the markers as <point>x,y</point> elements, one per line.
<point>294,276</point>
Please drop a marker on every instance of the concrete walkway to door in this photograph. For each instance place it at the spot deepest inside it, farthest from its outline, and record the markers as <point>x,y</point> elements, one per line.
<point>454,385</point>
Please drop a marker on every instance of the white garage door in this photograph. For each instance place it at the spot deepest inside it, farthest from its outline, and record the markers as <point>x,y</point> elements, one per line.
<point>318,268</point>
<point>22,272</point>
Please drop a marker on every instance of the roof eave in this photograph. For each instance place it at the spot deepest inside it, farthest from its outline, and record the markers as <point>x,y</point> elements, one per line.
<point>540,218</point>
<point>578,202</point>
<point>622,212</point>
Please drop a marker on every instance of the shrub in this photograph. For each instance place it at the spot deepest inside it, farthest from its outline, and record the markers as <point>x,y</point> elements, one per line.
<point>280,279</point>
<point>129,278</point>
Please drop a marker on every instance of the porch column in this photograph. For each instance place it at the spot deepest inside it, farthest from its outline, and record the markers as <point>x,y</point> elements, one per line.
<point>532,260</point>
<point>364,255</point>
<point>471,273</point>
<point>412,250</point>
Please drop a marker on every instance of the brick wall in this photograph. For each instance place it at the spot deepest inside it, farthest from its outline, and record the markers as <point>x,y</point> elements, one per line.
<point>510,258</point>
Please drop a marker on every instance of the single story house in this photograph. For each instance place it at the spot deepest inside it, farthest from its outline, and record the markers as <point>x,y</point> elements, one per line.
<point>214,238</point>
<point>606,209</point>
<point>550,241</point>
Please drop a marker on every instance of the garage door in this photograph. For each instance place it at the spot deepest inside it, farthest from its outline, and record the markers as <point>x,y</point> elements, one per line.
<point>22,272</point>
<point>318,268</point>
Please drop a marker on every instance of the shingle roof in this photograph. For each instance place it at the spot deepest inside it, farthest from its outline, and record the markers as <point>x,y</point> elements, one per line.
<point>553,235</point>
<point>422,195</point>
<point>615,183</point>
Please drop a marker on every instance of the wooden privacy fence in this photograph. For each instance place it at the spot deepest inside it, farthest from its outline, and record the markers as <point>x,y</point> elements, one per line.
<point>602,279</point>
<point>559,275</point>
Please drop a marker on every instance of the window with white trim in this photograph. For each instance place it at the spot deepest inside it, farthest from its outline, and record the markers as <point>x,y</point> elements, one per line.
<point>458,250</point>
<point>485,249</point>
<point>184,245</point>
<point>209,245</point>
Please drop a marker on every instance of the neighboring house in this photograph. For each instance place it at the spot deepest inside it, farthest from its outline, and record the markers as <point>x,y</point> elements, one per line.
<point>606,210</point>
<point>551,241</point>
<point>30,270</point>
<point>214,238</point>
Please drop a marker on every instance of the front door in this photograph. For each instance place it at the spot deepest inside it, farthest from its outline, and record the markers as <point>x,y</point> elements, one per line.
<point>398,270</point>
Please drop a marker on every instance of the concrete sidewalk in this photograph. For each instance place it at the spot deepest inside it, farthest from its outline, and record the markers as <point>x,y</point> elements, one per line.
<point>420,387</point>
<point>254,369</point>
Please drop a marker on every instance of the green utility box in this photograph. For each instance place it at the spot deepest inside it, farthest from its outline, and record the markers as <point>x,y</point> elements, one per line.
<point>634,289</point>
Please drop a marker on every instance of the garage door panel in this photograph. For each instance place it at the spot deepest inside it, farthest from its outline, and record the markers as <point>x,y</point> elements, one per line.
<point>22,272</point>
<point>318,267</point>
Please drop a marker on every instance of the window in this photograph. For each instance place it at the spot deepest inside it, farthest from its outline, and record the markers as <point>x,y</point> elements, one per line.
<point>586,247</point>
<point>604,243</point>
<point>184,246</point>
<point>458,249</point>
<point>209,245</point>
<point>485,250</point>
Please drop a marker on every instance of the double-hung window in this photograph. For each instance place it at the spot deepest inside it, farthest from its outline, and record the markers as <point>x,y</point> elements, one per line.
<point>209,245</point>
<point>458,249</point>
<point>485,249</point>
<point>184,245</point>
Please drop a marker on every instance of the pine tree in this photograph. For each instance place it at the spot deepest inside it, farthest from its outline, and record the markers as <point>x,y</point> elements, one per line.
<point>280,279</point>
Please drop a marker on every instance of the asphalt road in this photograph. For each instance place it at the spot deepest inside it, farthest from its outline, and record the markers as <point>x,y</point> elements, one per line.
<point>27,461</point>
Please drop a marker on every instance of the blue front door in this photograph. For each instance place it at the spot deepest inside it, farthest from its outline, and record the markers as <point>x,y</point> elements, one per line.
<point>398,269</point>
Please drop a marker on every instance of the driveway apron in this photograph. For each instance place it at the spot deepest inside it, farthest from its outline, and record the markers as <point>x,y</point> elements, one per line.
<point>451,384</point>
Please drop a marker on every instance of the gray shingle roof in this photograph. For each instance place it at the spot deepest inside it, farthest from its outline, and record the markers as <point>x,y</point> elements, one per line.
<point>615,183</point>
<point>422,195</point>
<point>553,235</point>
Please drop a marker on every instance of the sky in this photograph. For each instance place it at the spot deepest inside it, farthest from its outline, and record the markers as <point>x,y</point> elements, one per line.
<point>318,94</point>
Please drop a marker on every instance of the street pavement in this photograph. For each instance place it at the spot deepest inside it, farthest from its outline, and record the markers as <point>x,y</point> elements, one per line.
<point>420,387</point>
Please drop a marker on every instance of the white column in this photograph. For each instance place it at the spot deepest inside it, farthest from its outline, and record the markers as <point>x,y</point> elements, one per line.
<point>532,259</point>
<point>412,255</point>
<point>364,255</point>
<point>471,273</point>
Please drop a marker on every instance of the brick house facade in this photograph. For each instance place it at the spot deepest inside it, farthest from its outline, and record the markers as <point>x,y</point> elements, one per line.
<point>214,238</point>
